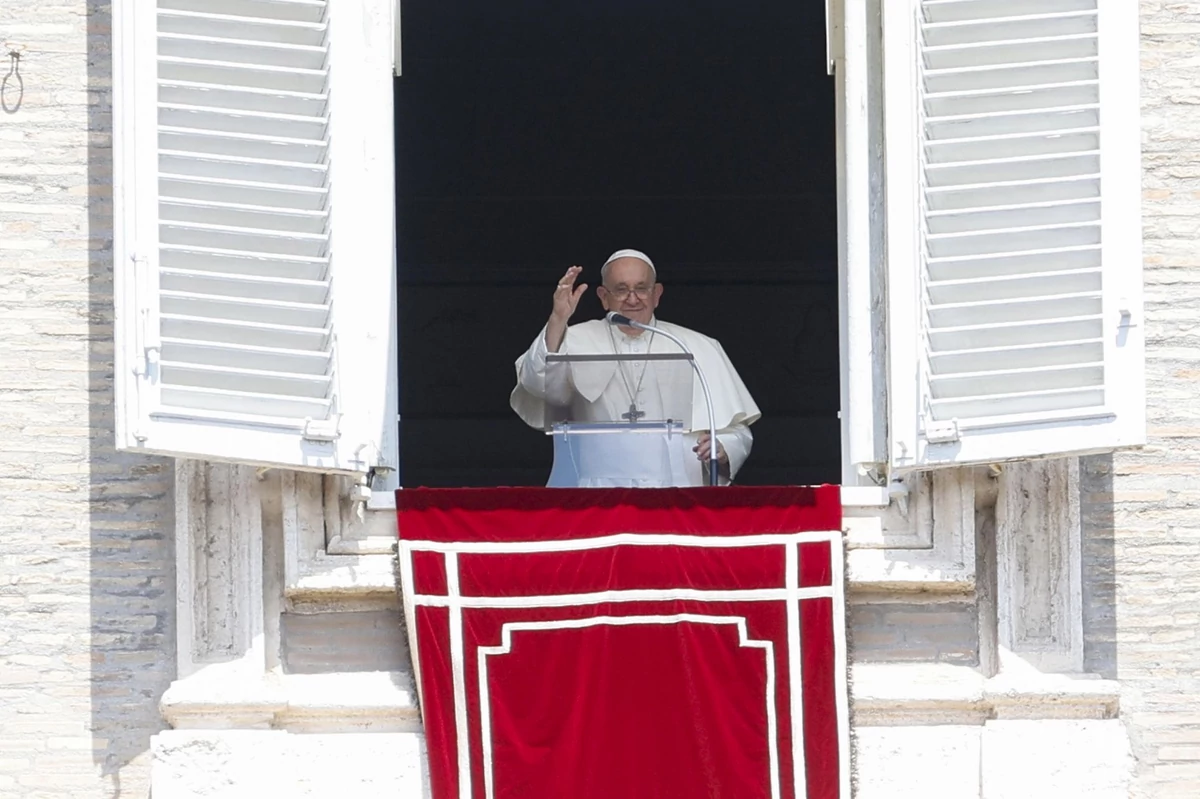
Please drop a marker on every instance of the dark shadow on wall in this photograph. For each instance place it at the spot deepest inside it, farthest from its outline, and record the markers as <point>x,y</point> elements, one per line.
<point>131,505</point>
<point>1099,565</point>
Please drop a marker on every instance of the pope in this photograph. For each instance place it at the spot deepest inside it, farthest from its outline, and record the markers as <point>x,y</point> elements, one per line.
<point>630,389</point>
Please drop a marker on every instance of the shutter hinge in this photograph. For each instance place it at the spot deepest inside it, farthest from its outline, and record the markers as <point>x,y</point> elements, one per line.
<point>942,432</point>
<point>322,429</point>
<point>147,348</point>
<point>1125,309</point>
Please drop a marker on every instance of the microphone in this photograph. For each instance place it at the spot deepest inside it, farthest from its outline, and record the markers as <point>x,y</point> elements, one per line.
<point>615,318</point>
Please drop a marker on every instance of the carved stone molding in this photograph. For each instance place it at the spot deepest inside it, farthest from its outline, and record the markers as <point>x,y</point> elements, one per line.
<point>219,566</point>
<point>926,543</point>
<point>1038,567</point>
<point>890,694</point>
<point>333,547</point>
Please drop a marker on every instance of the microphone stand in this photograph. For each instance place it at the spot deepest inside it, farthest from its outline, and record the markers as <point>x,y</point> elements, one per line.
<point>714,469</point>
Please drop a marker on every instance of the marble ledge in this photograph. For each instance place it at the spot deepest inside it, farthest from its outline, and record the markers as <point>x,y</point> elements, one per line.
<point>379,701</point>
<point>901,694</point>
<point>852,497</point>
<point>884,694</point>
<point>349,576</point>
<point>355,576</point>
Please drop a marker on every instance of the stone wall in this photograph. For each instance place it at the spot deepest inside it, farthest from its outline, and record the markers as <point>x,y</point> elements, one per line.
<point>87,638</point>
<point>1141,523</point>
<point>86,575</point>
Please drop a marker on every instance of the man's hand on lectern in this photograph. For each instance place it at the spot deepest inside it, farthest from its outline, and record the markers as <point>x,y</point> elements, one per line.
<point>703,453</point>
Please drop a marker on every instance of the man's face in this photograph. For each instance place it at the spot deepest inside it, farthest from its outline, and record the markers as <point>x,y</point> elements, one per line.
<point>629,289</point>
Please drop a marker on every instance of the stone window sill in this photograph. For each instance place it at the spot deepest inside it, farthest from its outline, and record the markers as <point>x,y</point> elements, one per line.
<point>883,694</point>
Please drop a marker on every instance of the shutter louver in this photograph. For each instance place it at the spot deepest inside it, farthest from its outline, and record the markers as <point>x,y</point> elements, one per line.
<point>1017,278</point>
<point>228,169</point>
<point>243,208</point>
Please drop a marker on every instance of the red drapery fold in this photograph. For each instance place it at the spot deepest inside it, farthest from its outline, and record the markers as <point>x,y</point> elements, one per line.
<point>608,643</point>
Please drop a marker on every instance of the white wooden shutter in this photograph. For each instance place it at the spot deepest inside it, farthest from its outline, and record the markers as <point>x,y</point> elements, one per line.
<point>254,244</point>
<point>1013,229</point>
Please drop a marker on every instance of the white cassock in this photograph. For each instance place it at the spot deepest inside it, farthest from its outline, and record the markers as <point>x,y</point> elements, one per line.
<point>602,392</point>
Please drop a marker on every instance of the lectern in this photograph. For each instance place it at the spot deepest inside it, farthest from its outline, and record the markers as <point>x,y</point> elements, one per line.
<point>640,440</point>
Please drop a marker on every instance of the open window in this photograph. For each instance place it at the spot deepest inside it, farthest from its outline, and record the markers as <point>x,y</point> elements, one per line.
<point>998,317</point>
<point>533,137</point>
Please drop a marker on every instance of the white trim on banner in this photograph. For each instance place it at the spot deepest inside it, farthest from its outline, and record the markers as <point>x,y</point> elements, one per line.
<point>506,631</point>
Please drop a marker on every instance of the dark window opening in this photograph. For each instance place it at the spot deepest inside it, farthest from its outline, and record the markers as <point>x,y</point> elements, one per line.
<point>536,134</point>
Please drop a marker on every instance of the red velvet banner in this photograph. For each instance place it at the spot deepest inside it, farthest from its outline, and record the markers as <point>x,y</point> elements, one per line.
<point>658,644</point>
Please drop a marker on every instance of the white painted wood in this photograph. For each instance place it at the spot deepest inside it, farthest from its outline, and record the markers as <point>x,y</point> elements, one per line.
<point>397,39</point>
<point>231,155</point>
<point>1014,243</point>
<point>364,215</point>
<point>861,451</point>
<point>901,138</point>
<point>1039,567</point>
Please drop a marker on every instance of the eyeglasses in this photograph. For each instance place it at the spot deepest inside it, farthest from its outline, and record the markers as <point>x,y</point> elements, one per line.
<point>622,292</point>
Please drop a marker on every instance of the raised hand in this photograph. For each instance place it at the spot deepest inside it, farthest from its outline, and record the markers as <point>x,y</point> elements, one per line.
<point>566,295</point>
<point>566,300</point>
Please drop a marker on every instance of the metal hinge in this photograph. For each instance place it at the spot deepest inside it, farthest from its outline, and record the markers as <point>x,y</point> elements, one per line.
<point>146,340</point>
<point>941,432</point>
<point>322,429</point>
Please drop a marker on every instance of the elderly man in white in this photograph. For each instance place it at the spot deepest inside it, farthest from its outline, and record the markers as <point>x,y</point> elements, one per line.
<point>630,287</point>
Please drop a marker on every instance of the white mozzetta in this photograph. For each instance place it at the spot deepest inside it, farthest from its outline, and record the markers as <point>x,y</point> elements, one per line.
<point>1014,239</point>
<point>241,123</point>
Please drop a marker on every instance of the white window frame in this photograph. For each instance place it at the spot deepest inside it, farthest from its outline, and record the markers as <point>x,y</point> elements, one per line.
<point>863,399</point>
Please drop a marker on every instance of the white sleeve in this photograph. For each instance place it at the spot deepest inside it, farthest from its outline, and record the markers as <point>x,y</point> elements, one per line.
<point>532,375</point>
<point>737,441</point>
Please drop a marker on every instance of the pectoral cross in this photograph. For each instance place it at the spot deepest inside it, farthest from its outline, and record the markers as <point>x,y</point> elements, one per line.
<point>634,414</point>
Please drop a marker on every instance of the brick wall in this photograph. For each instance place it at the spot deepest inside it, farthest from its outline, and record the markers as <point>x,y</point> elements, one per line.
<point>86,577</point>
<point>1142,526</point>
